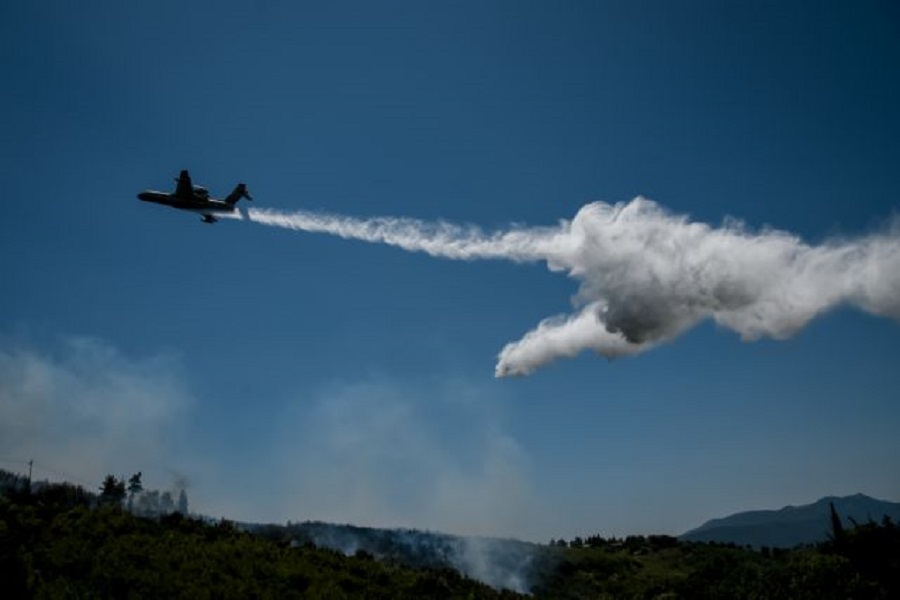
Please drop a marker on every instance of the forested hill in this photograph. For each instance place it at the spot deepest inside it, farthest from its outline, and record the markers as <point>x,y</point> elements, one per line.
<point>500,563</point>
<point>61,541</point>
<point>793,525</point>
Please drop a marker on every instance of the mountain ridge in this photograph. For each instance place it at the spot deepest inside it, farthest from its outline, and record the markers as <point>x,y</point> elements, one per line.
<point>792,525</point>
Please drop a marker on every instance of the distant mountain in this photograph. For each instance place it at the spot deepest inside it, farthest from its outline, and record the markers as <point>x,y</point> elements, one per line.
<point>792,525</point>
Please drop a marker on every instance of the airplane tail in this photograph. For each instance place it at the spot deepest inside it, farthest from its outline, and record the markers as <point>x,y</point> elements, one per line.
<point>240,191</point>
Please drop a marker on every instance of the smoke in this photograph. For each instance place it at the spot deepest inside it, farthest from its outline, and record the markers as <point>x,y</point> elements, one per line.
<point>647,275</point>
<point>373,452</point>
<point>502,564</point>
<point>84,409</point>
<point>376,453</point>
<point>499,563</point>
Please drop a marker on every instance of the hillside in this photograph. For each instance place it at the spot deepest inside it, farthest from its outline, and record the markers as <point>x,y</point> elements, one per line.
<point>500,563</point>
<point>792,525</point>
<point>866,564</point>
<point>61,541</point>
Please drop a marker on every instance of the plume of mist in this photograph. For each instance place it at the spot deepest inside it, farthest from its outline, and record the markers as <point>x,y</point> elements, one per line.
<point>646,275</point>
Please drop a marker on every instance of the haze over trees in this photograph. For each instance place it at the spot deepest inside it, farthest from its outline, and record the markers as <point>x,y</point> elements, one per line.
<point>142,502</point>
<point>60,540</point>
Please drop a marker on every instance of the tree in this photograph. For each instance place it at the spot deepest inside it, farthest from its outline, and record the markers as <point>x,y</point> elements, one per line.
<point>112,491</point>
<point>837,528</point>
<point>134,488</point>
<point>183,503</point>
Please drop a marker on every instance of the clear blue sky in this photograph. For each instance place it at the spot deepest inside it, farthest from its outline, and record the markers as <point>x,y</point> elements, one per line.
<point>296,376</point>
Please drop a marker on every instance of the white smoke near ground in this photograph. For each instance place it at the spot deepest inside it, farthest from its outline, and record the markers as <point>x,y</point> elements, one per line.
<point>376,453</point>
<point>370,453</point>
<point>646,275</point>
<point>500,563</point>
<point>83,409</point>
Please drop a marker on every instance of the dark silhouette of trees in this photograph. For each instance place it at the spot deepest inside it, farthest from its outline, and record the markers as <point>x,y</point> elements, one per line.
<point>837,528</point>
<point>57,543</point>
<point>64,541</point>
<point>112,491</point>
<point>135,487</point>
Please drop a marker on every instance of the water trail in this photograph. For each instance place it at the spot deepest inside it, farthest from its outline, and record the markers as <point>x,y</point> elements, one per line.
<point>646,275</point>
<point>439,239</point>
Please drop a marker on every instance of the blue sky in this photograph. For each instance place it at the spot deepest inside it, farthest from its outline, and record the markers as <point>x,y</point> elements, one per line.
<point>288,375</point>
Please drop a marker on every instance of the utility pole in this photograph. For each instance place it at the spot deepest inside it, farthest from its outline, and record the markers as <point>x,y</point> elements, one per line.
<point>30,464</point>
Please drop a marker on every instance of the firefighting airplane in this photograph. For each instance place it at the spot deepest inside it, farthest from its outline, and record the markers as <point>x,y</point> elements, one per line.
<point>195,198</point>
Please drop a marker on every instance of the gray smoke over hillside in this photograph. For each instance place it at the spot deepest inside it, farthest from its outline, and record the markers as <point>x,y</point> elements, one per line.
<point>499,563</point>
<point>88,409</point>
<point>646,275</point>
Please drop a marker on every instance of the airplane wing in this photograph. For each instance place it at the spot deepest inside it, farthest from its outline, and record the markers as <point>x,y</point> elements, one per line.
<point>185,188</point>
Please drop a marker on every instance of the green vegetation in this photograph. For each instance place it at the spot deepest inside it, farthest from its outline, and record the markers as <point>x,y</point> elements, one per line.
<point>863,562</point>
<point>60,541</point>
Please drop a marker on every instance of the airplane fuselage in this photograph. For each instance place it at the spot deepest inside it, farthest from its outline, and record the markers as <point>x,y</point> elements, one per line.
<point>197,204</point>
<point>208,207</point>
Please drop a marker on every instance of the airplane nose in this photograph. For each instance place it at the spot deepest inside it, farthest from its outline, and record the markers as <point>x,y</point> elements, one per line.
<point>145,196</point>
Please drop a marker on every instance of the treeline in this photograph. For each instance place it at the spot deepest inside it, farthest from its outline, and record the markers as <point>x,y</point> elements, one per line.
<point>61,541</point>
<point>144,503</point>
<point>860,563</point>
<point>113,491</point>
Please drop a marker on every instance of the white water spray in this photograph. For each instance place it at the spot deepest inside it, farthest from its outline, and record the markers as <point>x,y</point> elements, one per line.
<point>439,239</point>
<point>647,275</point>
